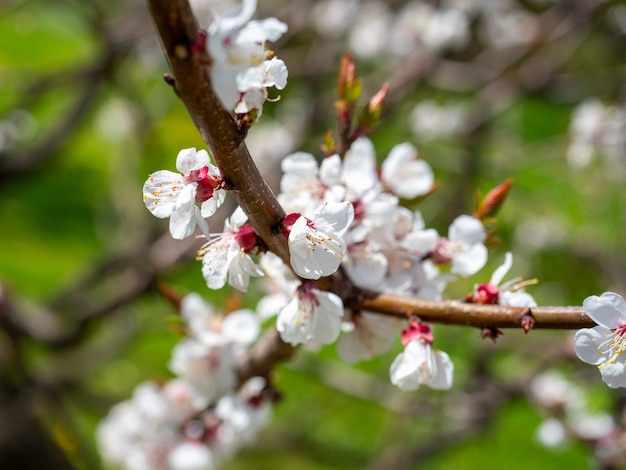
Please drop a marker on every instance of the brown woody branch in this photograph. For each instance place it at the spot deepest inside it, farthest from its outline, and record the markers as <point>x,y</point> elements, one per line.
<point>482,316</point>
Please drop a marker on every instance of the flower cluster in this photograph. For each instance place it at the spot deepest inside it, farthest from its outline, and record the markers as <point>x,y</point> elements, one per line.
<point>197,419</point>
<point>346,212</point>
<point>238,64</point>
<point>341,213</point>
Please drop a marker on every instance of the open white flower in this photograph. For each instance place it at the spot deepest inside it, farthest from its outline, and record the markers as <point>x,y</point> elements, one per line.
<point>603,344</point>
<point>420,364</point>
<point>227,256</point>
<point>464,247</point>
<point>405,174</point>
<point>311,315</point>
<point>236,44</point>
<point>316,245</point>
<point>176,195</point>
<point>509,294</point>
<point>253,84</point>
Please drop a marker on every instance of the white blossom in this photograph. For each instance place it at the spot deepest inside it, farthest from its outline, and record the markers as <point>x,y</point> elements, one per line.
<point>316,245</point>
<point>227,256</point>
<point>235,44</point>
<point>419,365</point>
<point>405,174</point>
<point>175,195</point>
<point>311,316</point>
<point>464,247</point>
<point>508,294</point>
<point>603,344</point>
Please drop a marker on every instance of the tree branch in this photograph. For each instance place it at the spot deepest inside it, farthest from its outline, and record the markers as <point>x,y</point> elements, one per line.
<point>453,312</point>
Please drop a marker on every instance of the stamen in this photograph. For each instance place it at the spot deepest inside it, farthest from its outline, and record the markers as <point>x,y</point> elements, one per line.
<point>315,239</point>
<point>523,284</point>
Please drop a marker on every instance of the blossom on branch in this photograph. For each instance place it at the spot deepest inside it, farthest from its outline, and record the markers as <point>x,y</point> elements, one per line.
<point>206,358</point>
<point>312,315</point>
<point>464,248</point>
<point>405,174</point>
<point>237,55</point>
<point>253,84</point>
<point>176,195</point>
<point>227,256</point>
<point>603,344</point>
<point>196,420</point>
<point>316,245</point>
<point>420,364</point>
<point>509,294</point>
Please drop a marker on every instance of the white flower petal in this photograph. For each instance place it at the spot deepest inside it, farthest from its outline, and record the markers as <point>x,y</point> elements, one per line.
<point>516,299</point>
<point>330,170</point>
<point>608,310</point>
<point>366,268</point>
<point>500,272</point>
<point>182,218</point>
<point>335,215</point>
<point>241,268</point>
<point>189,160</point>
<point>160,192</point>
<point>241,326</point>
<point>327,321</point>
<point>405,174</point>
<point>404,371</point>
<point>237,17</point>
<point>316,246</point>
<point>421,242</point>
<point>467,229</point>
<point>587,341</point>
<point>208,207</point>
<point>470,261</point>
<point>359,167</point>
<point>190,456</point>
<point>314,316</point>
<point>443,372</point>
<point>215,265</point>
<point>301,163</point>
<point>372,334</point>
<point>614,373</point>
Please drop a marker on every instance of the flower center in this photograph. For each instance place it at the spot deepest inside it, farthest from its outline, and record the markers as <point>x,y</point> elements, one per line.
<point>486,293</point>
<point>316,238</point>
<point>445,251</point>
<point>246,238</point>
<point>614,345</point>
<point>206,183</point>
<point>417,331</point>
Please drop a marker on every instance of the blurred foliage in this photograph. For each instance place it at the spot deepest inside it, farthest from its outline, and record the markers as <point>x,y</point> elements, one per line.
<point>79,203</point>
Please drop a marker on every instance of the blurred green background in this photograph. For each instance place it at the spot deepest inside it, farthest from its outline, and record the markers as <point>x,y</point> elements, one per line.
<point>84,117</point>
